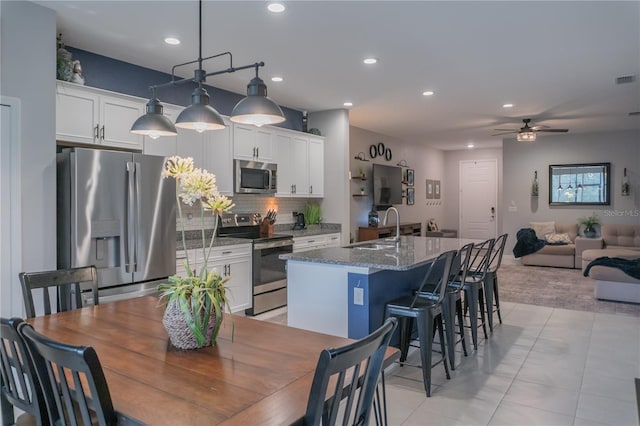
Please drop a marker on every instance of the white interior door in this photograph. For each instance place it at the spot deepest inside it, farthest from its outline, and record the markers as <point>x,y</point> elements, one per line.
<point>478,199</point>
<point>10,223</point>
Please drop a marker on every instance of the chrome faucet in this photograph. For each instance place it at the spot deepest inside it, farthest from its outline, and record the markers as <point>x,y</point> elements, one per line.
<point>384,222</point>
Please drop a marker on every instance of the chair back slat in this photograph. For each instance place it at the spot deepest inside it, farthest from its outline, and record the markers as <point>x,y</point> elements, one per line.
<point>68,284</point>
<point>73,376</point>
<point>18,380</point>
<point>361,362</point>
<point>460,267</point>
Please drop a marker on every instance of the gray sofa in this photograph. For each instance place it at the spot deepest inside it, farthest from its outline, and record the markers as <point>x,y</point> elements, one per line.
<point>560,256</point>
<point>611,283</point>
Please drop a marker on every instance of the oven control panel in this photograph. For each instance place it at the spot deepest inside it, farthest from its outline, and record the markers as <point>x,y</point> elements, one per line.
<point>240,219</point>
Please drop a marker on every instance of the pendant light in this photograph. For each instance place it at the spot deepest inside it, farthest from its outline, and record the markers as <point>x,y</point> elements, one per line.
<point>255,109</point>
<point>154,124</point>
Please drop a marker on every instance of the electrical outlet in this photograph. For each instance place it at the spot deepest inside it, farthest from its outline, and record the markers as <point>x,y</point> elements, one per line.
<point>358,296</point>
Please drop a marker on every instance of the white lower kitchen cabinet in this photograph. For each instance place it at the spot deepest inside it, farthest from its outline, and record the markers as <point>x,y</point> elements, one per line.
<point>230,261</point>
<point>313,242</point>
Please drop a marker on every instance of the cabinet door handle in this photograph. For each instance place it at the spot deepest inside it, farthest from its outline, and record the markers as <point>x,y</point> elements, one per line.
<point>258,152</point>
<point>310,189</point>
<point>229,273</point>
<point>102,133</point>
<point>227,252</point>
<point>97,131</point>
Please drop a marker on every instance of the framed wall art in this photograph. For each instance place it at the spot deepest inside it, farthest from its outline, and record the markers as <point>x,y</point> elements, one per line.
<point>585,184</point>
<point>436,189</point>
<point>411,196</point>
<point>410,177</point>
<point>429,189</point>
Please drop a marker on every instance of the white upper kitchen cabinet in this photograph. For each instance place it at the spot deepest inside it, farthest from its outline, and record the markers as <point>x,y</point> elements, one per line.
<point>218,157</point>
<point>300,164</point>
<point>94,116</point>
<point>282,157</point>
<point>316,166</point>
<point>252,143</point>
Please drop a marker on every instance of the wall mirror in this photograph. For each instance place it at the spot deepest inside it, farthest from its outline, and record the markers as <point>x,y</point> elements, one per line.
<point>582,184</point>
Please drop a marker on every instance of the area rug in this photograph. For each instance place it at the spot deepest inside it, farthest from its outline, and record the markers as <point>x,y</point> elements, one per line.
<point>555,288</point>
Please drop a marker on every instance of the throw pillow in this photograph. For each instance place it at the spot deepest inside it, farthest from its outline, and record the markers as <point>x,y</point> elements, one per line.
<point>543,228</point>
<point>558,239</point>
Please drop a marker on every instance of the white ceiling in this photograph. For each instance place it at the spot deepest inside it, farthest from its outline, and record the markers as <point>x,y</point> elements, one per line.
<point>555,61</point>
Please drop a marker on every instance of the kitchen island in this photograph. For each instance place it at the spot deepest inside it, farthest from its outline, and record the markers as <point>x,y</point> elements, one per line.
<point>343,290</point>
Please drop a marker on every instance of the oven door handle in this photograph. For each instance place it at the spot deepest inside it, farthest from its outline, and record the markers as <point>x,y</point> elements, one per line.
<point>272,244</point>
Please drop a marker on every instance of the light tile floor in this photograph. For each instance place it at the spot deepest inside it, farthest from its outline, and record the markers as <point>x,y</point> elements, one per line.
<point>542,366</point>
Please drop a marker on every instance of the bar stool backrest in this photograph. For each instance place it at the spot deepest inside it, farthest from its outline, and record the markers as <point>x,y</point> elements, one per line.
<point>498,250</point>
<point>460,267</point>
<point>439,272</point>
<point>480,260</point>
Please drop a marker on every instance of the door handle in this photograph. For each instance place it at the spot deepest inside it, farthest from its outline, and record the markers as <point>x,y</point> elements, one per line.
<point>102,132</point>
<point>97,131</point>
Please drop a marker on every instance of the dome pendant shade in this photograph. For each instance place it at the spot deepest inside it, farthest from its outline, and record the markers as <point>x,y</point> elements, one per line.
<point>154,124</point>
<point>257,108</point>
<point>200,116</point>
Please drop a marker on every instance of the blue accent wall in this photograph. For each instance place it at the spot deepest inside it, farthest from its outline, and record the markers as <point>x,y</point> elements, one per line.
<point>122,77</point>
<point>379,288</point>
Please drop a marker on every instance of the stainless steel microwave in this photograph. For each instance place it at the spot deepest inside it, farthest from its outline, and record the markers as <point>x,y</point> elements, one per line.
<point>253,177</point>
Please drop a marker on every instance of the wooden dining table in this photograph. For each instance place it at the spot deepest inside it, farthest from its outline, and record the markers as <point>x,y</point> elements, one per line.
<point>261,377</point>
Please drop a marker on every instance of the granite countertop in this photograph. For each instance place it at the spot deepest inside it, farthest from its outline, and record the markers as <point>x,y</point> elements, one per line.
<point>324,228</point>
<point>413,251</point>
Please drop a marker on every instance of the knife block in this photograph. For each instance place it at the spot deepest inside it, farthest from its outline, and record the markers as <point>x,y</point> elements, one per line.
<point>266,229</point>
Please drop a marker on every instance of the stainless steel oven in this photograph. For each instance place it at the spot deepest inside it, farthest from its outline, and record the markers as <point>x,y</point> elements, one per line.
<point>269,277</point>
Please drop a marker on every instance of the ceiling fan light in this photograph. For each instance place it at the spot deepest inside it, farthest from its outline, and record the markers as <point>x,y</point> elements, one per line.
<point>154,124</point>
<point>200,116</point>
<point>527,136</point>
<point>257,108</point>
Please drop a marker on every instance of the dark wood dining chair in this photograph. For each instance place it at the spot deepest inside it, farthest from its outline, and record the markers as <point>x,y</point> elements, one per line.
<point>426,309</point>
<point>72,380</point>
<point>356,369</point>
<point>19,385</point>
<point>68,283</point>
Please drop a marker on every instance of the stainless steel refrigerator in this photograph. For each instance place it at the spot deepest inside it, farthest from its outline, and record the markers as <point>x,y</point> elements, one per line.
<point>115,211</point>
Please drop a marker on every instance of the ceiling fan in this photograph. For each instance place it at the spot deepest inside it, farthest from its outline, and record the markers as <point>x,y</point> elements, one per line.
<point>527,133</point>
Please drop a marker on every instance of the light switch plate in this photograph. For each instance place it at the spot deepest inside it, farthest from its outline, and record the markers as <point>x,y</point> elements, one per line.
<point>358,296</point>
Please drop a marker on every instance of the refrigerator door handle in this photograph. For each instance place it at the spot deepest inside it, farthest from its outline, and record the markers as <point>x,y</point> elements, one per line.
<point>129,216</point>
<point>137,215</point>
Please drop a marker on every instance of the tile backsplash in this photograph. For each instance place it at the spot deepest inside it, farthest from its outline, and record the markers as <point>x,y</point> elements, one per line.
<point>246,204</point>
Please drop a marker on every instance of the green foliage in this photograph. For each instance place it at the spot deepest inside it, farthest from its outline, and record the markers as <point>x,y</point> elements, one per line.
<point>312,214</point>
<point>589,221</point>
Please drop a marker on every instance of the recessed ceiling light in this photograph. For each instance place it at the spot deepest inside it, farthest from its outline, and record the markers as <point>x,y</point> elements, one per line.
<point>276,7</point>
<point>470,145</point>
<point>370,61</point>
<point>172,41</point>
<point>276,79</point>
<point>507,106</point>
<point>428,93</point>
<point>348,104</point>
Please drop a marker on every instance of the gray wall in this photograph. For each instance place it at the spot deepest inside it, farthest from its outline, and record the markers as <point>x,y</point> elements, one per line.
<point>621,149</point>
<point>427,163</point>
<point>451,182</point>
<point>28,67</point>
